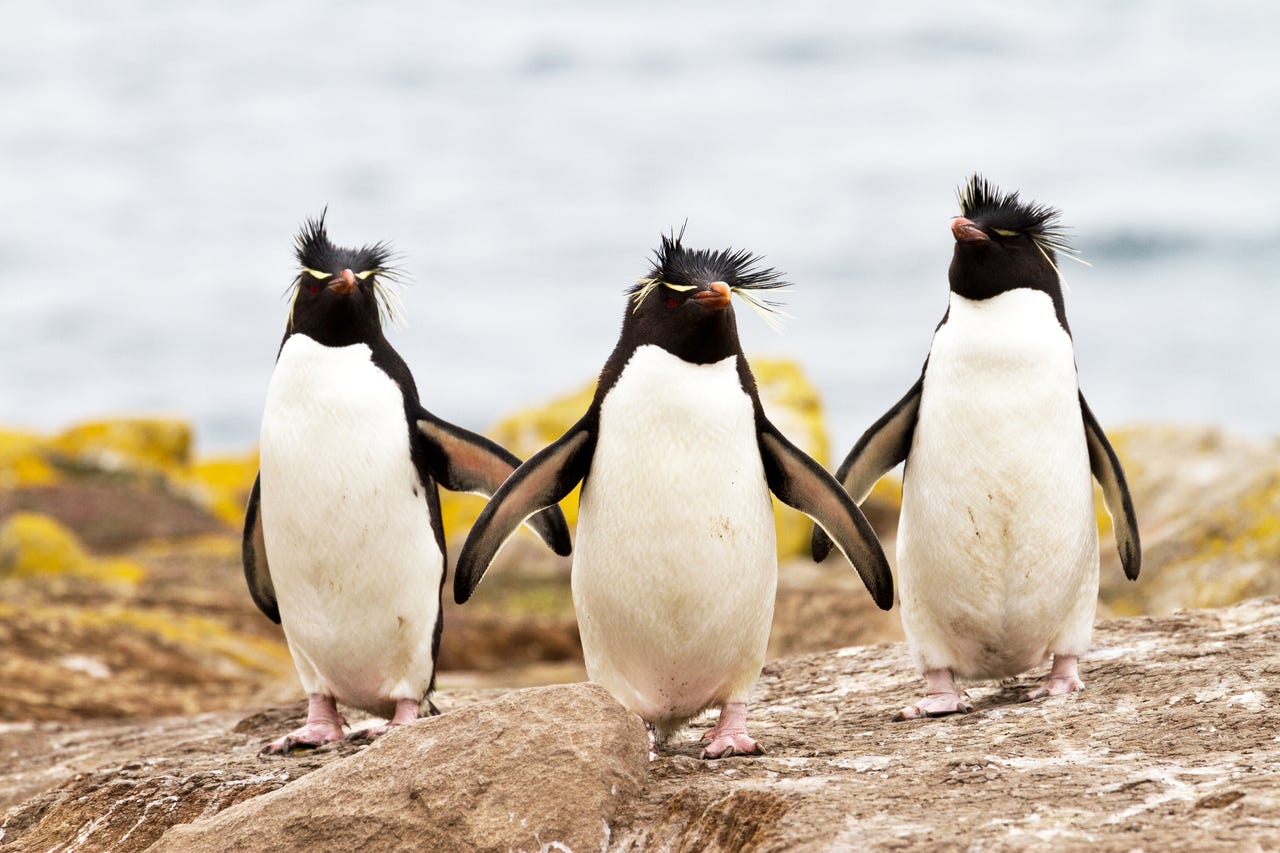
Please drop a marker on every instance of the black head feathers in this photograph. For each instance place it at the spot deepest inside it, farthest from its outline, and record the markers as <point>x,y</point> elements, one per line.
<point>1003,243</point>
<point>314,252</point>
<point>682,269</point>
<point>321,262</point>
<point>1007,215</point>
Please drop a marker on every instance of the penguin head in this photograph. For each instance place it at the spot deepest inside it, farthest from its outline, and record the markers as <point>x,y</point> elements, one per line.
<point>1004,243</point>
<point>684,302</point>
<point>339,295</point>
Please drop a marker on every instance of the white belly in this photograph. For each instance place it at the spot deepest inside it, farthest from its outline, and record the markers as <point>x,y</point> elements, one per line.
<point>675,565</point>
<point>352,554</point>
<point>998,544</point>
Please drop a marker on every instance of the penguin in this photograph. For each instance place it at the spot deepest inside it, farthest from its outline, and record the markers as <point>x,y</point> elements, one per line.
<point>343,543</point>
<point>675,566</point>
<point>997,541</point>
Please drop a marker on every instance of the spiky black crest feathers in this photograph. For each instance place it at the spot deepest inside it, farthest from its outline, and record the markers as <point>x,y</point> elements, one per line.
<point>679,268</point>
<point>984,203</point>
<point>314,251</point>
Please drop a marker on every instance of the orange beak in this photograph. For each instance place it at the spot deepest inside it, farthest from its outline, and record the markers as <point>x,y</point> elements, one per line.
<point>717,297</point>
<point>344,283</point>
<point>966,232</point>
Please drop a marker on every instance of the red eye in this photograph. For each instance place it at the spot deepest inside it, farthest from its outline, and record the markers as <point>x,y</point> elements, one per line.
<point>315,288</point>
<point>672,302</point>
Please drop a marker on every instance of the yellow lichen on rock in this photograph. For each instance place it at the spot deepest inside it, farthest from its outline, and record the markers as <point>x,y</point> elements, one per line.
<point>223,484</point>
<point>32,544</point>
<point>1208,507</point>
<point>197,634</point>
<point>113,444</point>
<point>22,460</point>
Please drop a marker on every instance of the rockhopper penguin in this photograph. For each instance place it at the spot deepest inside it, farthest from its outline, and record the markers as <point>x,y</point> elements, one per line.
<point>998,540</point>
<point>343,544</point>
<point>675,567</point>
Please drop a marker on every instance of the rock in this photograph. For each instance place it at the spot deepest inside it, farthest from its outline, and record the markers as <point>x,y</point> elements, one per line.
<point>22,460</point>
<point>113,514</point>
<point>537,768</point>
<point>166,631</point>
<point>222,483</point>
<point>33,545</point>
<point>1174,744</point>
<point>118,483</point>
<point>126,444</point>
<point>1208,507</point>
<point>120,787</point>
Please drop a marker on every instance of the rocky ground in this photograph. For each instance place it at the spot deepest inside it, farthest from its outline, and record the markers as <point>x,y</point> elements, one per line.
<point>1174,745</point>
<point>140,681</point>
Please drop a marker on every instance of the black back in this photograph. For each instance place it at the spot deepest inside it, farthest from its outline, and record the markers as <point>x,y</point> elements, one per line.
<point>1021,249</point>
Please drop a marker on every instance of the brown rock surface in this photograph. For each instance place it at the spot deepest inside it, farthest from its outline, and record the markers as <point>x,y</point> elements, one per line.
<point>533,769</point>
<point>1175,744</point>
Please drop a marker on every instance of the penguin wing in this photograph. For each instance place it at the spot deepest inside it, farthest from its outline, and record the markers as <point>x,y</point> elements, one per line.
<point>547,477</point>
<point>463,461</point>
<point>1115,492</point>
<point>253,550</point>
<point>885,443</point>
<point>800,482</point>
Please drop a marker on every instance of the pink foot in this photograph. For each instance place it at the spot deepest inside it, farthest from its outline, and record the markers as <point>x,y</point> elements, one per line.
<point>406,712</point>
<point>729,736</point>
<point>1063,678</point>
<point>942,697</point>
<point>324,725</point>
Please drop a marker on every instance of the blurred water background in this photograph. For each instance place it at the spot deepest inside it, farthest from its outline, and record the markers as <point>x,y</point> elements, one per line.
<point>156,158</point>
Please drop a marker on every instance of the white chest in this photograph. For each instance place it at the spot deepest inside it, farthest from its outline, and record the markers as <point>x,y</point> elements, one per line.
<point>1000,393</point>
<point>676,450</point>
<point>333,429</point>
<point>997,547</point>
<point>351,549</point>
<point>675,565</point>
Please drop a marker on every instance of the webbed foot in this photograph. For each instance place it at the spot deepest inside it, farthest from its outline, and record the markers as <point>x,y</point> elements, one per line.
<point>324,725</point>
<point>729,735</point>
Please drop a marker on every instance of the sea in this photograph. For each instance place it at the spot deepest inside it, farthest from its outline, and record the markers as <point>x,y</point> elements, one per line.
<point>523,158</point>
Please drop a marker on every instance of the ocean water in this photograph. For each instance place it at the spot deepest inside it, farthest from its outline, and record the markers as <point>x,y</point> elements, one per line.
<point>156,159</point>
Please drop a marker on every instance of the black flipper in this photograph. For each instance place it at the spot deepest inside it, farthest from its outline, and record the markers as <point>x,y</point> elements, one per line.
<point>462,461</point>
<point>882,446</point>
<point>1115,492</point>
<point>800,482</point>
<point>542,481</point>
<point>253,551</point>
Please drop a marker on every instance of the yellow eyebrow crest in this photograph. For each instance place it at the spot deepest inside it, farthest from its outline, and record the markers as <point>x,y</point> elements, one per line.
<point>363,275</point>
<point>317,273</point>
<point>1003,233</point>
<point>679,288</point>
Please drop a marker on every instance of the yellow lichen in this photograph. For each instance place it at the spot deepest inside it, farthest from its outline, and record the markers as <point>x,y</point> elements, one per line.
<point>196,632</point>
<point>22,460</point>
<point>127,443</point>
<point>32,544</point>
<point>223,484</point>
